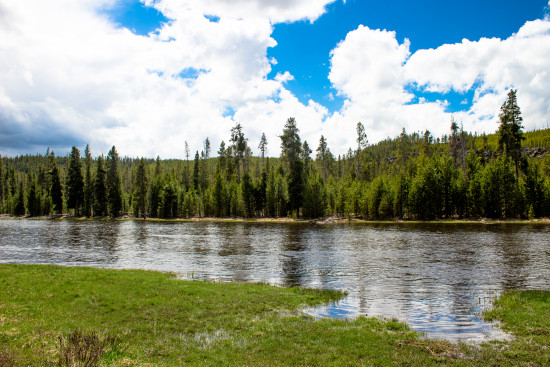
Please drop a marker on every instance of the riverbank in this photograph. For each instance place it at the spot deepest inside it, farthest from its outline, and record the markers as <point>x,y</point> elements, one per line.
<point>327,220</point>
<point>135,317</point>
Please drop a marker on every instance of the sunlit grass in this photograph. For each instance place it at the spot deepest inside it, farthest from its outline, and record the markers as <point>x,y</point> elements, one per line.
<point>158,320</point>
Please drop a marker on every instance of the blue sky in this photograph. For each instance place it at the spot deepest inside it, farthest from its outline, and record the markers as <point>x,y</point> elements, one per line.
<point>303,47</point>
<point>147,75</point>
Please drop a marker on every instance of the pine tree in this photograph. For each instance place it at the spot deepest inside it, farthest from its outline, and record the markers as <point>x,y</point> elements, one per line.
<point>114,191</point>
<point>457,145</point>
<point>291,149</point>
<point>291,145</point>
<point>100,190</point>
<point>33,197</point>
<point>2,197</point>
<point>19,206</point>
<point>260,192</point>
<point>140,190</point>
<point>196,172</point>
<point>56,190</point>
<point>153,196</point>
<point>219,196</point>
<point>240,148</point>
<point>510,134</point>
<point>314,197</point>
<point>306,155</point>
<point>186,172</point>
<point>535,190</point>
<point>362,143</point>
<point>263,148</point>
<point>168,200</point>
<point>248,195</point>
<point>221,157</point>
<point>88,183</point>
<point>75,182</point>
<point>207,148</point>
<point>322,153</point>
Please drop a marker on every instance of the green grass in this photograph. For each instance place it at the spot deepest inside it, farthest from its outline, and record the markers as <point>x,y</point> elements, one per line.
<point>158,320</point>
<point>526,315</point>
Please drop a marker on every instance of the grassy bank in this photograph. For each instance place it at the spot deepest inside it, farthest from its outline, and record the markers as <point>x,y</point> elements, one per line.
<point>526,315</point>
<point>136,318</point>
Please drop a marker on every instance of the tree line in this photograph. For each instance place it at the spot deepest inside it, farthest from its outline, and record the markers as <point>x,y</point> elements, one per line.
<point>412,176</point>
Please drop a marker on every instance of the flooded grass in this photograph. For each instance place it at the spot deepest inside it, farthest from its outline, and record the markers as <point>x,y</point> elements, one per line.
<point>526,315</point>
<point>157,319</point>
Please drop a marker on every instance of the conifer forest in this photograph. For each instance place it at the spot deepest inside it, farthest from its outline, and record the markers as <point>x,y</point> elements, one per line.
<point>412,177</point>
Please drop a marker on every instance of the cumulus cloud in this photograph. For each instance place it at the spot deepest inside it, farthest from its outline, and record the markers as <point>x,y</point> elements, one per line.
<point>275,11</point>
<point>376,74</point>
<point>492,67</point>
<point>379,58</point>
<point>65,68</point>
<point>70,76</point>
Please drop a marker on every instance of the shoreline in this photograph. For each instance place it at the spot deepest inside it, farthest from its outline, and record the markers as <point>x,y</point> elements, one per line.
<point>319,221</point>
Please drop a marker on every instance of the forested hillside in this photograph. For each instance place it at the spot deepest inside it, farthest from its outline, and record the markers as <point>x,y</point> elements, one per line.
<point>412,176</point>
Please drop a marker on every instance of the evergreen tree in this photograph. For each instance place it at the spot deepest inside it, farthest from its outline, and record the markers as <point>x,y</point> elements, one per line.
<point>88,184</point>
<point>196,172</point>
<point>219,196</point>
<point>19,205</point>
<point>426,193</point>
<point>221,157</point>
<point>291,149</point>
<point>291,145</point>
<point>56,190</point>
<point>270,193</point>
<point>314,197</point>
<point>454,141</point>
<point>140,191</point>
<point>2,195</point>
<point>401,195</point>
<point>281,195</point>
<point>362,143</point>
<point>33,197</point>
<point>499,189</point>
<point>322,156</point>
<point>239,147</point>
<point>263,147</point>
<point>11,181</point>
<point>207,148</point>
<point>260,192</point>
<point>153,196</point>
<point>376,195</point>
<point>535,191</point>
<point>510,134</point>
<point>306,155</point>
<point>168,200</point>
<point>75,182</point>
<point>100,190</point>
<point>112,183</point>
<point>248,195</point>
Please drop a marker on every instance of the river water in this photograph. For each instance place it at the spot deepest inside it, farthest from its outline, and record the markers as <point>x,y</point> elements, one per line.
<point>436,277</point>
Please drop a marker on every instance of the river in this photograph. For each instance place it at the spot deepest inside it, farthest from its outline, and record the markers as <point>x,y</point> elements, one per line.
<point>436,277</point>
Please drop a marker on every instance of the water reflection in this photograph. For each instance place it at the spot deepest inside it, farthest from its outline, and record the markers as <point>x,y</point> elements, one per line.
<point>438,278</point>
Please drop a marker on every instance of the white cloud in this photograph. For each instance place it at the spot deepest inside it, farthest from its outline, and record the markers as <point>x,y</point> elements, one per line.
<point>379,57</point>
<point>65,66</point>
<point>69,76</point>
<point>373,70</point>
<point>492,66</point>
<point>275,11</point>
